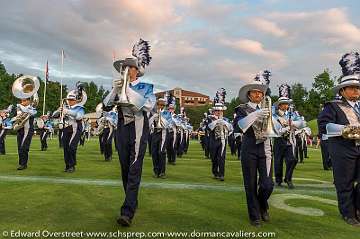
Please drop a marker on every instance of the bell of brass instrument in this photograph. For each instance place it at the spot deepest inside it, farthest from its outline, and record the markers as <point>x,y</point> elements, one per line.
<point>123,99</point>
<point>25,87</point>
<point>160,121</point>
<point>351,132</point>
<point>268,126</point>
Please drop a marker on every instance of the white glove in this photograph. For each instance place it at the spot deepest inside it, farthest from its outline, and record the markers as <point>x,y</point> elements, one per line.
<point>118,84</point>
<point>263,113</point>
<point>284,130</point>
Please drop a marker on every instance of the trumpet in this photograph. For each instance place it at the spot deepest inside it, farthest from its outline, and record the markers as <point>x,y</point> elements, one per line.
<point>123,99</point>
<point>268,126</point>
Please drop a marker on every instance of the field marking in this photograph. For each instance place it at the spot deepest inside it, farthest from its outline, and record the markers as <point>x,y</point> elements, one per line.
<point>278,201</point>
<point>162,185</point>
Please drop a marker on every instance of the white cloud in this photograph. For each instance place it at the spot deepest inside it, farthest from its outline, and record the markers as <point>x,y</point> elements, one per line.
<point>331,26</point>
<point>255,48</point>
<point>267,26</point>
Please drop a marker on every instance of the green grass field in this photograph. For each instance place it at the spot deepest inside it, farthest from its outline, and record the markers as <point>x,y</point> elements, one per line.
<point>43,197</point>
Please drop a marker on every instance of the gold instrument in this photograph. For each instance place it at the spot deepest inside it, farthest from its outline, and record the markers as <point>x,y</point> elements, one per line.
<point>160,123</point>
<point>268,126</point>
<point>351,132</point>
<point>25,87</point>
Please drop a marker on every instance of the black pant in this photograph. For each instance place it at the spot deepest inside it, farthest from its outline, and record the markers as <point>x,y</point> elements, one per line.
<point>60,134</point>
<point>133,139</point>
<point>217,157</point>
<point>71,138</point>
<point>101,144</point>
<point>207,145</point>
<point>346,167</point>
<point>326,159</point>
<point>232,144</point>
<point>107,138</point>
<point>23,142</point>
<point>2,141</point>
<point>179,144</point>
<point>158,151</point>
<point>82,139</point>
<point>238,146</point>
<point>281,151</point>
<point>171,147</point>
<point>299,149</point>
<point>257,192</point>
<point>43,139</point>
<point>149,143</point>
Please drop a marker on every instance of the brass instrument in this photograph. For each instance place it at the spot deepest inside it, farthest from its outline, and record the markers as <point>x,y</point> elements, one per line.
<point>351,132</point>
<point>159,124</point>
<point>25,87</point>
<point>268,126</point>
<point>123,99</point>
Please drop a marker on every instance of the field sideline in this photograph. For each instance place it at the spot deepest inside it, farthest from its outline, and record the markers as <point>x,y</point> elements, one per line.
<point>44,197</point>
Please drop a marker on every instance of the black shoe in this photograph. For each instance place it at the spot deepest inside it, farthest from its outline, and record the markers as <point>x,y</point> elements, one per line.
<point>162,176</point>
<point>279,184</point>
<point>265,216</point>
<point>255,223</point>
<point>215,177</point>
<point>290,185</point>
<point>66,169</point>
<point>108,159</point>
<point>221,178</point>
<point>352,221</point>
<point>71,170</point>
<point>22,167</point>
<point>155,176</point>
<point>358,215</point>
<point>124,221</point>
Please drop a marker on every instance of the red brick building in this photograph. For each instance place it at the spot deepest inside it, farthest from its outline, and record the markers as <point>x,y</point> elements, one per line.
<point>187,98</point>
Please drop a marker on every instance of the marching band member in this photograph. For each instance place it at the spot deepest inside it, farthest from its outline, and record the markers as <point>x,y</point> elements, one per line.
<point>286,123</point>
<point>100,125</point>
<point>25,88</point>
<point>180,141</point>
<point>251,118</point>
<point>301,142</point>
<point>159,124</point>
<point>110,121</point>
<point>71,115</point>
<point>5,125</point>
<point>341,119</point>
<point>135,100</point>
<point>220,130</point>
<point>171,136</point>
<point>87,130</point>
<point>43,124</point>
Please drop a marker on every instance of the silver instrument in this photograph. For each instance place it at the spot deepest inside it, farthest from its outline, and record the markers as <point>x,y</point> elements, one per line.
<point>123,99</point>
<point>25,87</point>
<point>40,123</point>
<point>268,126</point>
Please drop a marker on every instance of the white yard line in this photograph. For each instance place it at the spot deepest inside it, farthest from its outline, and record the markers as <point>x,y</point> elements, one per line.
<point>162,185</point>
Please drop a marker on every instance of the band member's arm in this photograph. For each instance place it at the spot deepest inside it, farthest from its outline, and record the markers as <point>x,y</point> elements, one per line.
<point>77,113</point>
<point>142,102</point>
<point>30,110</point>
<point>245,121</point>
<point>326,121</point>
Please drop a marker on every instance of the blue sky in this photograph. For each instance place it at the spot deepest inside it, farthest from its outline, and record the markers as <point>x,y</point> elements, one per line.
<point>197,45</point>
